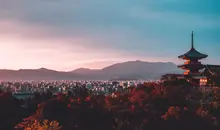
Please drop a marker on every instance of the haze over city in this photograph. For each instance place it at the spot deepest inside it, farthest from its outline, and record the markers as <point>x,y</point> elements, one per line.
<point>68,34</point>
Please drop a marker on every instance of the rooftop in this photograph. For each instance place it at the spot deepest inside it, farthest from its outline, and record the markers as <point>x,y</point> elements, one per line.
<point>193,53</point>
<point>211,69</point>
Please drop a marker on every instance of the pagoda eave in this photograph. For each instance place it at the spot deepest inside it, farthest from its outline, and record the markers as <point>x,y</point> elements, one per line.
<point>182,67</point>
<point>187,66</point>
<point>191,57</point>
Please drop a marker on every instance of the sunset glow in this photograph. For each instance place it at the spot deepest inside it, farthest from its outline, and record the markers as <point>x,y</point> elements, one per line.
<point>55,35</point>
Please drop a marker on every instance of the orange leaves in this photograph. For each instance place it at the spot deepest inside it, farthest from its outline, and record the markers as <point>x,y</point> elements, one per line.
<point>43,125</point>
<point>202,112</point>
<point>173,112</point>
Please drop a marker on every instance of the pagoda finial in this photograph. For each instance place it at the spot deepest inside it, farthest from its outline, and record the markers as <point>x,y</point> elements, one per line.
<point>192,40</point>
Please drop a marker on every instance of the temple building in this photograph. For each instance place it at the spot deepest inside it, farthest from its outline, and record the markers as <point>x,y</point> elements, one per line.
<point>192,65</point>
<point>195,71</point>
<point>211,75</point>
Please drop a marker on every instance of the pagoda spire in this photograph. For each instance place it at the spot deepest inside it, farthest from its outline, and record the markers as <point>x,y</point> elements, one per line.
<point>192,40</point>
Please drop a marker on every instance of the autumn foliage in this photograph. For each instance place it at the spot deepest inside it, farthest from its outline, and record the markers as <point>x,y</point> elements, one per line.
<point>150,106</point>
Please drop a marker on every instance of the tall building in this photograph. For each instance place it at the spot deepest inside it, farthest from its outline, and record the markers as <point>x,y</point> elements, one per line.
<point>196,72</point>
<point>192,65</point>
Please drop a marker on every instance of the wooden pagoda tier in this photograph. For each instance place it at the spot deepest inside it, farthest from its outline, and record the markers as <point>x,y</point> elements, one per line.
<point>192,66</point>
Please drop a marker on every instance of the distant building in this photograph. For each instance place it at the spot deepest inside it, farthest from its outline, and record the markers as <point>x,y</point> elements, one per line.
<point>167,77</point>
<point>196,72</point>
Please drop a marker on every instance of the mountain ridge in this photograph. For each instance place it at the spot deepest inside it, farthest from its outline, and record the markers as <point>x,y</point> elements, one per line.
<point>123,70</point>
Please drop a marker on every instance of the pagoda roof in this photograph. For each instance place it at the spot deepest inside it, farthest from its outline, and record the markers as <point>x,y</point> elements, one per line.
<point>193,53</point>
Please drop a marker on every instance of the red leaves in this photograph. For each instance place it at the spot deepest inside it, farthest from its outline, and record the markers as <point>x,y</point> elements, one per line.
<point>185,108</point>
<point>71,100</point>
<point>132,108</point>
<point>88,99</point>
<point>78,100</point>
<point>173,112</point>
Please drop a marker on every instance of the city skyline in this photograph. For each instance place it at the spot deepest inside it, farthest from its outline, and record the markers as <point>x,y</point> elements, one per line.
<point>69,34</point>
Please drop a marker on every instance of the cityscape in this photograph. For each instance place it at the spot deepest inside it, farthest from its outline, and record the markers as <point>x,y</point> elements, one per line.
<point>109,65</point>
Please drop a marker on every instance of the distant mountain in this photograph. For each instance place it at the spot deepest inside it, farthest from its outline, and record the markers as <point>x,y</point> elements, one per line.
<point>125,70</point>
<point>84,71</point>
<point>140,69</point>
<point>34,74</point>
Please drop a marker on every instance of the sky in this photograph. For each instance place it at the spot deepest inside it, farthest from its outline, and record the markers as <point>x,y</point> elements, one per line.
<point>68,34</point>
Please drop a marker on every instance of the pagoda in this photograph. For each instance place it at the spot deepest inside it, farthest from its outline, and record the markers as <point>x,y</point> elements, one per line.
<point>192,65</point>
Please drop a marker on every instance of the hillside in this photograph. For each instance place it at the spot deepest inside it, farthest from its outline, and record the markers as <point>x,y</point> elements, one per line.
<point>124,70</point>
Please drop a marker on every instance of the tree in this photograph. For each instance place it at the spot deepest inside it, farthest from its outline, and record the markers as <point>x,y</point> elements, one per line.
<point>44,125</point>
